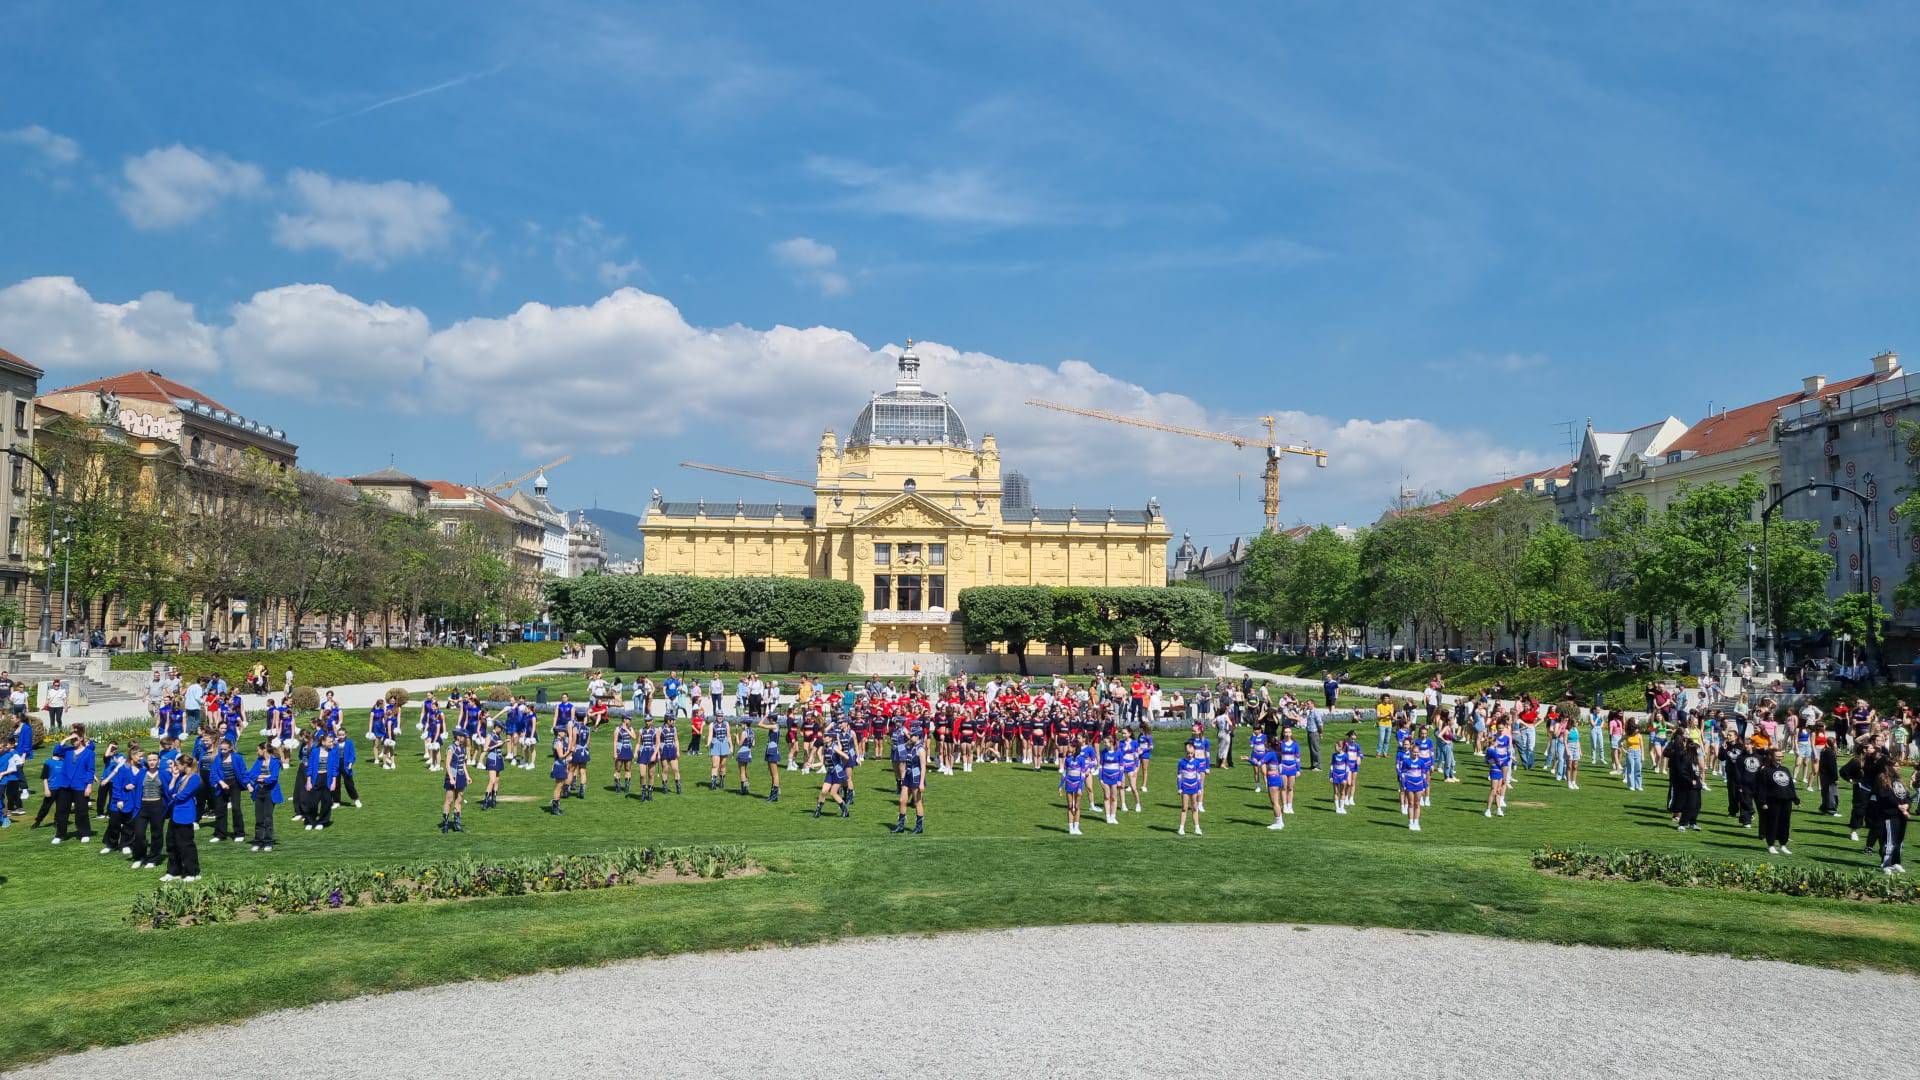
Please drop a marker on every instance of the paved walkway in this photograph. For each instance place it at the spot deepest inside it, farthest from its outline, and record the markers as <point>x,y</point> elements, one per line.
<point>354,696</point>
<point>1085,1001</point>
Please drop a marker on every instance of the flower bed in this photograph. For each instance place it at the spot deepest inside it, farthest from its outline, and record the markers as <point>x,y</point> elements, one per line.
<point>1690,871</point>
<point>176,905</point>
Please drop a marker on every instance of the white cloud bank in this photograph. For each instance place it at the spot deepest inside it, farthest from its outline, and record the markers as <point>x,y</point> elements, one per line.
<point>172,186</point>
<point>372,223</point>
<point>629,364</point>
<point>815,263</point>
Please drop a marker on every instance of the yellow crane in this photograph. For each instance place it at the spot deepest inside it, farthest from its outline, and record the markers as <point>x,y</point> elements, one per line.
<point>729,470</point>
<point>505,485</point>
<point>1271,444</point>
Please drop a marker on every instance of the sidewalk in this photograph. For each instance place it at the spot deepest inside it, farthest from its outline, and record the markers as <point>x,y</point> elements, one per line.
<point>354,696</point>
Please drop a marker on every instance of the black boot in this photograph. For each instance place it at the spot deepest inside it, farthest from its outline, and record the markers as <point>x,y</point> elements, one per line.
<point>443,823</point>
<point>899,824</point>
<point>456,824</point>
<point>775,796</point>
<point>919,824</point>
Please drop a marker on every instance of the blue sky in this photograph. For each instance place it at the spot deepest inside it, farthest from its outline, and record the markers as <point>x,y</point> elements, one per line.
<point>470,235</point>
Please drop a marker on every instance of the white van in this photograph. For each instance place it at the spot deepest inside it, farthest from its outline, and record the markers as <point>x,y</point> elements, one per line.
<point>1588,655</point>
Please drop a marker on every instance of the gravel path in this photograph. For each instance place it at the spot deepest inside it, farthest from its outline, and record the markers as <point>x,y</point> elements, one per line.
<point>1087,1001</point>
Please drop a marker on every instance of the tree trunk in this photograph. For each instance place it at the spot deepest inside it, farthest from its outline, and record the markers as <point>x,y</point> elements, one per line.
<point>1158,646</point>
<point>659,650</point>
<point>1069,659</point>
<point>1020,651</point>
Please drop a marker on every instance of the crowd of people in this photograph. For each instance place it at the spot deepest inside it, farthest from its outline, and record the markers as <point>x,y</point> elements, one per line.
<point>211,761</point>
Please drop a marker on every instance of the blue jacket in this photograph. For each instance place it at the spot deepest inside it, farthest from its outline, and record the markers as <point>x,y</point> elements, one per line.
<point>230,770</point>
<point>263,777</point>
<point>183,800</point>
<point>315,767</point>
<point>123,785</point>
<point>23,739</point>
<point>347,753</point>
<point>76,767</point>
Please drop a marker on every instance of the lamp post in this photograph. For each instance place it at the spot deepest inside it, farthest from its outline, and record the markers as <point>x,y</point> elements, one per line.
<point>1866,503</point>
<point>1750,569</point>
<point>66,573</point>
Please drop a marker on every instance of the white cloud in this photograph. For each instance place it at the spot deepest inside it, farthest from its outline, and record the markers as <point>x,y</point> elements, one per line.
<point>313,339</point>
<point>816,263</point>
<point>53,322</point>
<point>172,186</point>
<point>584,249</point>
<point>50,148</point>
<point>941,194</point>
<point>371,223</point>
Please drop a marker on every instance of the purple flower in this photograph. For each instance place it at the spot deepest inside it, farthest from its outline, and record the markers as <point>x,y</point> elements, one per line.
<point>333,898</point>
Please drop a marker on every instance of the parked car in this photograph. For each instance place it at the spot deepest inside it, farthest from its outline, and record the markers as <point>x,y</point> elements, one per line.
<point>1241,647</point>
<point>1593,655</point>
<point>1544,660</point>
<point>1504,657</point>
<point>1666,662</point>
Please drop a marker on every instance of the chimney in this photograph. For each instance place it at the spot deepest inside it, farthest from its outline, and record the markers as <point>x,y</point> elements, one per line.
<point>1887,363</point>
<point>1813,384</point>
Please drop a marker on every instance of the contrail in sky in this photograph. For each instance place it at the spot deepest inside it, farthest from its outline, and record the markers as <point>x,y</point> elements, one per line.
<point>410,95</point>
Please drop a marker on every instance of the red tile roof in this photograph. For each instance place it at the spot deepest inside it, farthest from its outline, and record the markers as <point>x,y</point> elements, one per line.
<point>15,361</point>
<point>1748,424</point>
<point>1475,497</point>
<point>147,386</point>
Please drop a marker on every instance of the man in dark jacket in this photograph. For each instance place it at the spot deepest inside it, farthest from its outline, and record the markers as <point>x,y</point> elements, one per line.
<point>1777,794</point>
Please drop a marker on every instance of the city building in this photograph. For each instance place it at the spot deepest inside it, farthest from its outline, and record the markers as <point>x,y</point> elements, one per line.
<point>19,383</point>
<point>912,509</point>
<point>586,547</point>
<point>554,529</point>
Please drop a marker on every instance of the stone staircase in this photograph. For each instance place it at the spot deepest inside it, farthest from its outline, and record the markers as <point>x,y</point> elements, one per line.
<point>94,691</point>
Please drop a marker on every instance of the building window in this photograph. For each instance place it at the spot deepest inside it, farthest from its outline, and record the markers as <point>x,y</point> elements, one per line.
<point>936,591</point>
<point>907,592</point>
<point>20,416</point>
<point>19,477</point>
<point>936,554</point>
<point>13,537</point>
<point>882,554</point>
<point>882,592</point>
<point>193,448</point>
<point>909,554</point>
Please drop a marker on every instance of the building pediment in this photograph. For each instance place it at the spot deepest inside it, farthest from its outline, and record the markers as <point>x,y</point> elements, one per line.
<point>908,511</point>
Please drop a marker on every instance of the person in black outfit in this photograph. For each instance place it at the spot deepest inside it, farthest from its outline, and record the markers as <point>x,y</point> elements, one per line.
<point>1898,803</point>
<point>1827,768</point>
<point>1683,783</point>
<point>150,823</point>
<point>1775,791</point>
<point>1741,765</point>
<point>1854,772</point>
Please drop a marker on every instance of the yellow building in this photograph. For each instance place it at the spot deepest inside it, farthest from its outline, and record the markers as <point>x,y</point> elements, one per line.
<point>913,511</point>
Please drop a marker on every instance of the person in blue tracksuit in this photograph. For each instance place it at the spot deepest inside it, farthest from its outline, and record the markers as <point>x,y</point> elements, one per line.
<point>226,775</point>
<point>455,786</point>
<point>75,789</point>
<point>183,800</point>
<point>16,785</point>
<point>122,785</point>
<point>349,755</point>
<point>263,781</point>
<point>320,782</point>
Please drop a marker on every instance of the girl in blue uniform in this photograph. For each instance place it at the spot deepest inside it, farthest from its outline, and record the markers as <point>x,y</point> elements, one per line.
<point>1113,774</point>
<point>837,765</point>
<point>493,757</point>
<point>1414,772</point>
<point>1189,778</point>
<point>669,753</point>
<point>529,734</point>
<point>913,788</point>
<point>433,730</point>
<point>282,731</point>
<point>1130,761</point>
<point>1257,744</point>
<point>1337,776</point>
<point>562,751</point>
<point>719,746</point>
<point>744,731</point>
<point>455,785</point>
<point>1073,782</point>
<point>623,743</point>
<point>1288,751</point>
<point>646,752</point>
<point>1266,766</point>
<point>379,731</point>
<point>1145,738</point>
<point>771,725</point>
<point>1499,762</point>
<point>1355,755</point>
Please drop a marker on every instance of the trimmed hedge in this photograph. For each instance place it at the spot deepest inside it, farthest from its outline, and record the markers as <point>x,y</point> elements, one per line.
<point>1692,871</point>
<point>177,905</point>
<point>339,667</point>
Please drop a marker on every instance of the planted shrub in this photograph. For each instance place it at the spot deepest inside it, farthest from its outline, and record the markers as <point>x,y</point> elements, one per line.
<point>304,698</point>
<point>497,692</point>
<point>1692,871</point>
<point>397,696</point>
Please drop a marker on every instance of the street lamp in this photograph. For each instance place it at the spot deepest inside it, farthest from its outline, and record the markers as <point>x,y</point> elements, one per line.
<point>64,536</point>
<point>1751,567</point>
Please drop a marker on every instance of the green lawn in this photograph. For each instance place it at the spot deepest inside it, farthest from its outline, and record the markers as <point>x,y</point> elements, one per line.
<point>1621,688</point>
<point>996,855</point>
<point>325,668</point>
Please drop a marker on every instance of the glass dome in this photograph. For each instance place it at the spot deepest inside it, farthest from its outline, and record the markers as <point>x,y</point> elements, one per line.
<point>908,415</point>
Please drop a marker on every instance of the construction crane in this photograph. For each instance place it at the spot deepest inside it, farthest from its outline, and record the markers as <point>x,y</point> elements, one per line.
<point>748,473</point>
<point>1271,444</point>
<point>505,485</point>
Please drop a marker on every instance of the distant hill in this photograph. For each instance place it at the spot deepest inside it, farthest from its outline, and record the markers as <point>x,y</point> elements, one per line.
<point>623,533</point>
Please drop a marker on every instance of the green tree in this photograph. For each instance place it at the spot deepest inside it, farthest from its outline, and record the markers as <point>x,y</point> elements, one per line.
<point>1076,621</point>
<point>1261,596</point>
<point>1015,615</point>
<point>1555,579</point>
<point>1318,590</point>
<point>818,614</point>
<point>748,608</point>
<point>1859,616</point>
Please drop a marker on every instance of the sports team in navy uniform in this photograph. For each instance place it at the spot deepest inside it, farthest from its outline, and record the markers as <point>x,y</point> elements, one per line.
<point>207,770</point>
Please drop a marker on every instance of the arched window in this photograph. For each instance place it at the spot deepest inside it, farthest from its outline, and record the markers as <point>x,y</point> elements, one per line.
<point>193,448</point>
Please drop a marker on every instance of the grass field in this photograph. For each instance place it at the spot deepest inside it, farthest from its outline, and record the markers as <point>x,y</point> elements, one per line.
<point>1622,689</point>
<point>324,668</point>
<point>996,855</point>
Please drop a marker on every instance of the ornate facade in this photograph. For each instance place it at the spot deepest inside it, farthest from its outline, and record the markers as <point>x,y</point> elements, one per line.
<point>913,511</point>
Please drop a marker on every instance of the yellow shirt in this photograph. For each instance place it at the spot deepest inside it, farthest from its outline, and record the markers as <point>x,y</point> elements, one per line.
<point>1633,741</point>
<point>1383,712</point>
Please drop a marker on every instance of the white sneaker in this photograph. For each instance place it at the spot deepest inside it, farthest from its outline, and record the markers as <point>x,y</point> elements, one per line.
<point>255,847</point>
<point>126,851</point>
<point>56,840</point>
<point>1502,811</point>
<point>1182,831</point>
<point>1340,808</point>
<point>213,840</point>
<point>1287,809</point>
<point>1203,809</point>
<point>1278,823</point>
<point>170,877</point>
<point>356,804</point>
<point>1785,850</point>
<point>1111,820</point>
<point>1854,836</point>
<point>309,828</point>
<point>1771,850</point>
<point>1414,824</point>
<point>106,851</point>
<point>1571,786</point>
<point>1197,832</point>
<point>191,877</point>
<point>1489,813</point>
<point>1682,828</point>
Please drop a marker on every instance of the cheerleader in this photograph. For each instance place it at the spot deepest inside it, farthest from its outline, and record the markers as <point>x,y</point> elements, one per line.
<point>493,759</point>
<point>719,748</point>
<point>561,770</point>
<point>1130,763</point>
<point>646,753</point>
<point>1414,775</point>
<point>580,738</point>
<point>669,754</point>
<point>1288,755</point>
<point>1499,756</point>
<point>379,732</point>
<point>1266,766</point>
<point>529,734</point>
<point>1257,744</point>
<point>455,785</point>
<point>433,730</point>
<point>1337,776</point>
<point>743,749</point>
<point>282,735</point>
<point>1354,755</point>
<point>1189,779</point>
<point>913,792</point>
<point>837,765</point>
<point>1073,782</point>
<point>623,742</point>
<point>1145,739</point>
<point>1402,759</point>
<point>1113,774</point>
<point>849,750</point>
<point>771,725</point>
<point>1423,750</point>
